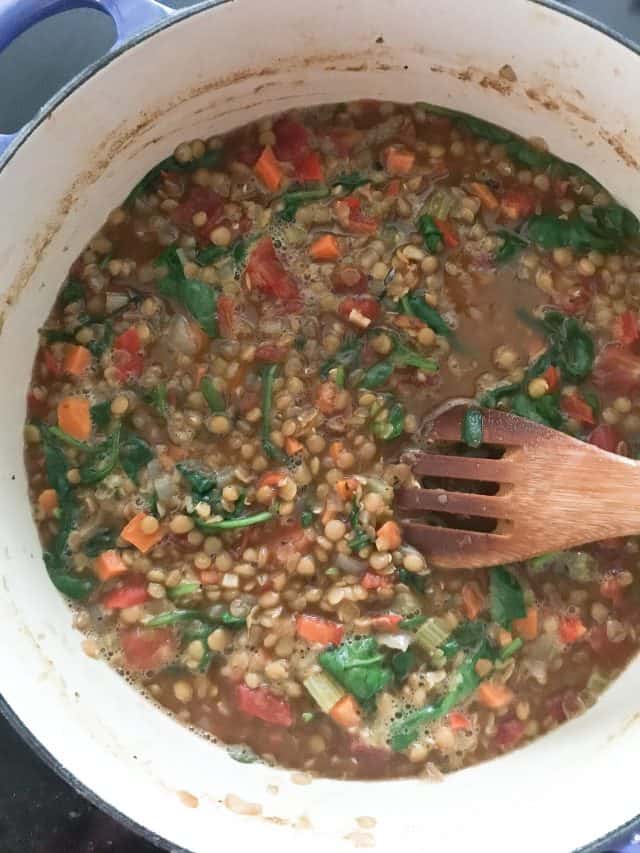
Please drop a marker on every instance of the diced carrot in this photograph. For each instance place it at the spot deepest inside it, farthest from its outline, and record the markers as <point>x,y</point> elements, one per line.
<point>552,378</point>
<point>226,310</point>
<point>335,449</point>
<point>448,232</point>
<point>473,600</point>
<point>485,195</point>
<point>347,488</point>
<point>310,168</point>
<point>458,721</point>
<point>325,248</point>
<point>292,446</point>
<point>272,478</point>
<point>494,695</point>
<point>48,501</point>
<point>314,629</point>
<point>268,169</point>
<point>388,536</point>
<point>76,360</point>
<point>398,161</point>
<point>518,203</point>
<point>527,627</point>
<point>575,407</point>
<point>387,623</point>
<point>346,712</point>
<point>571,629</point>
<point>134,534</point>
<point>74,417</point>
<point>109,564</point>
<point>209,577</point>
<point>199,373</point>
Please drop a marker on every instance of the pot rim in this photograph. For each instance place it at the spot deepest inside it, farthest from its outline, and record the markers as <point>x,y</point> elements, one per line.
<point>615,835</point>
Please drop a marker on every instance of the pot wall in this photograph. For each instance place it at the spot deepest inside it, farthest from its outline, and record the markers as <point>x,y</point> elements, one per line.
<point>209,72</point>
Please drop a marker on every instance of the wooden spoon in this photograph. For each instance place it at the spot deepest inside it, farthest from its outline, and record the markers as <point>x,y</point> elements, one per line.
<point>554,492</point>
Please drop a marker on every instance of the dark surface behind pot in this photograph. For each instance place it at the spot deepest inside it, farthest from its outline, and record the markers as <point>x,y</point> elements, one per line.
<point>38,812</point>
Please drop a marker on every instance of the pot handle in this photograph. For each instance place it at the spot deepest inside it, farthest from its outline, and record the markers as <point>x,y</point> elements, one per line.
<point>131,17</point>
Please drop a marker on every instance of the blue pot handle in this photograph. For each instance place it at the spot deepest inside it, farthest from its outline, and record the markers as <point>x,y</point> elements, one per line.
<point>130,17</point>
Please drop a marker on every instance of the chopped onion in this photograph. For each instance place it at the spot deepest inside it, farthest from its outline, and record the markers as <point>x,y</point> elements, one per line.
<point>400,641</point>
<point>180,337</point>
<point>114,300</point>
<point>351,565</point>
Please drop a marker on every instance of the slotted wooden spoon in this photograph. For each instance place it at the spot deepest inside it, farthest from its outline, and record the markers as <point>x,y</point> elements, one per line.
<point>554,492</point>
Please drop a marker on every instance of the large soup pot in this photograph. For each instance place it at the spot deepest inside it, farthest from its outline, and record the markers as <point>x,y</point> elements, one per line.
<point>175,76</point>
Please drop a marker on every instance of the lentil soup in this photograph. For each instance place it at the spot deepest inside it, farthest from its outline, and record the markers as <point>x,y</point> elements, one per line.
<point>220,405</point>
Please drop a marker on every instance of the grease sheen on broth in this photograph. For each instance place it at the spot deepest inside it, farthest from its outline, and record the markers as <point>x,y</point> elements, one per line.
<point>222,397</point>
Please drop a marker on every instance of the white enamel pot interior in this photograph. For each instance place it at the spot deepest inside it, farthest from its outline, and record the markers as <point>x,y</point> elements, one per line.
<point>210,71</point>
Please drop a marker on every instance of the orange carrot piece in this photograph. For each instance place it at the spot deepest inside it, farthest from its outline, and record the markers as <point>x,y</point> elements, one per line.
<point>485,195</point>
<point>335,449</point>
<point>571,629</point>
<point>76,360</point>
<point>74,417</point>
<point>48,501</point>
<point>388,536</point>
<point>346,712</point>
<point>199,373</point>
<point>472,599</point>
<point>347,488</point>
<point>272,478</point>
<point>494,695</point>
<point>268,169</point>
<point>527,627</point>
<point>314,629</point>
<point>325,248</point>
<point>458,721</point>
<point>109,564</point>
<point>293,446</point>
<point>134,535</point>
<point>398,161</point>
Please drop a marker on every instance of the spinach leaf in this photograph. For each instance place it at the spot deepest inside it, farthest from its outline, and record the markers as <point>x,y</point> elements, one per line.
<point>506,597</point>
<point>214,398</point>
<point>55,463</point>
<point>359,666</point>
<point>606,229</point>
<point>430,232</point>
<point>98,346</point>
<point>101,414</point>
<point>135,453</point>
<point>393,426</point>
<point>412,580</point>
<point>544,410</point>
<point>402,663</point>
<point>360,538</point>
<point>412,623</point>
<point>198,298</point>
<point>576,351</point>
<point>472,427</point>
<point>268,374</point>
<point>347,356</point>
<point>73,291</point>
<point>102,460</point>
<point>404,356</point>
<point>102,540</point>
<point>414,305</point>
<point>298,196</point>
<point>306,518</point>
<point>467,636</point>
<point>201,482</point>
<point>511,245</point>
<point>157,397</point>
<point>351,181</point>
<point>208,255</point>
<point>170,259</point>
<point>376,375</point>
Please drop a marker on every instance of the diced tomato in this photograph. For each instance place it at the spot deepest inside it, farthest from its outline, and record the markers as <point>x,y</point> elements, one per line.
<point>575,407</point>
<point>327,397</point>
<point>562,705</point>
<point>129,365</point>
<point>247,153</point>
<point>267,275</point>
<point>314,629</point>
<point>310,168</point>
<point>387,623</point>
<point>518,203</point>
<point>606,438</point>
<point>271,353</point>
<point>617,369</point>
<point>53,365</point>
<point>571,629</point>
<point>131,593</point>
<point>508,733</point>
<point>449,234</point>
<point>199,199</point>
<point>285,542</point>
<point>264,705</point>
<point>36,407</point>
<point>348,279</point>
<point>610,588</point>
<point>552,377</point>
<point>365,305</point>
<point>458,721</point>
<point>373,581</point>
<point>626,327</point>
<point>344,139</point>
<point>393,188</point>
<point>576,300</point>
<point>129,341</point>
<point>226,310</point>
<point>292,140</point>
<point>349,214</point>
<point>148,648</point>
